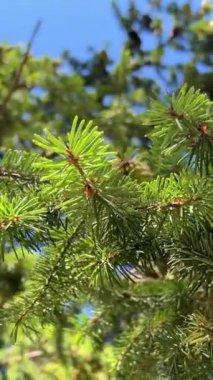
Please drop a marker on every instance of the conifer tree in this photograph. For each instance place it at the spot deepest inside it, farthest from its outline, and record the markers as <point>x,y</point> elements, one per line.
<point>116,217</point>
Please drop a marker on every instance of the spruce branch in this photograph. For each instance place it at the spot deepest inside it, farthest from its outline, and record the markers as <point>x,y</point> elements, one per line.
<point>133,341</point>
<point>20,177</point>
<point>173,204</point>
<point>53,272</point>
<point>89,188</point>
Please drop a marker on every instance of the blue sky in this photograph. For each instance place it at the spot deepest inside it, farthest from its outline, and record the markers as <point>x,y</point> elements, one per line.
<point>67,24</point>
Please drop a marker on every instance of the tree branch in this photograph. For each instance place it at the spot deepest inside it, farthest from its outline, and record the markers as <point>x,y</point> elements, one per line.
<point>16,82</point>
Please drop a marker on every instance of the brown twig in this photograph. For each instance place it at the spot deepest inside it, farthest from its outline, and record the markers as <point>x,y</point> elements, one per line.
<point>17,78</point>
<point>89,189</point>
<point>20,177</point>
<point>28,355</point>
<point>173,204</point>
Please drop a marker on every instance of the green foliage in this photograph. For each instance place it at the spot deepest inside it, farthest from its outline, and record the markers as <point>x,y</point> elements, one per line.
<point>116,218</point>
<point>186,121</point>
<point>161,228</point>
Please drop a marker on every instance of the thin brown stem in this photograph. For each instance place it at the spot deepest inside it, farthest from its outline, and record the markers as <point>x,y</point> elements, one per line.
<point>16,82</point>
<point>20,178</point>
<point>173,204</point>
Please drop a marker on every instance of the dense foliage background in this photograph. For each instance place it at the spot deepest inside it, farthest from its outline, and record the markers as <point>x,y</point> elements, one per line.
<point>125,330</point>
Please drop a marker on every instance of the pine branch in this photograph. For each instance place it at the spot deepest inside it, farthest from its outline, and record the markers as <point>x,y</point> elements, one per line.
<point>21,178</point>
<point>133,341</point>
<point>53,273</point>
<point>173,204</point>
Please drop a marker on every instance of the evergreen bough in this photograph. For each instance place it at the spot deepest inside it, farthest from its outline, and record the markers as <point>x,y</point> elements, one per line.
<point>140,252</point>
